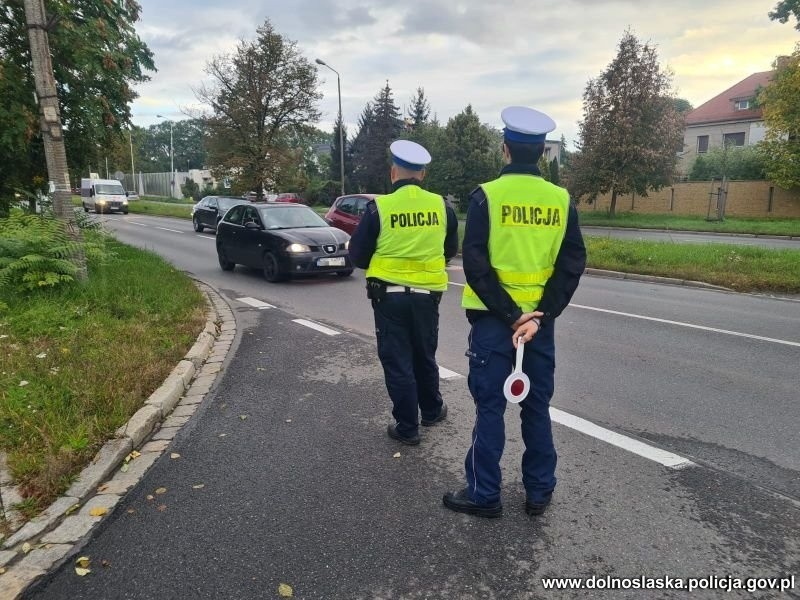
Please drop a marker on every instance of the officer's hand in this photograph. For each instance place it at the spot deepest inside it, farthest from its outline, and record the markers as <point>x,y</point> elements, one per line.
<point>525,317</point>
<point>526,331</point>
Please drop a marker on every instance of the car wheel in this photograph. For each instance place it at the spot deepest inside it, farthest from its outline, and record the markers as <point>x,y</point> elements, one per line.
<point>272,270</point>
<point>197,226</point>
<point>124,212</point>
<point>345,273</point>
<point>98,210</point>
<point>224,263</point>
<point>85,208</point>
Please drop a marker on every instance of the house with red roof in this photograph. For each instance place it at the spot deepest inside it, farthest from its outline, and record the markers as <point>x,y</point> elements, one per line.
<point>729,119</point>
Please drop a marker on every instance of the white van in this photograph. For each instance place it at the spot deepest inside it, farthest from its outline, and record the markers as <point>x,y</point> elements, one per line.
<point>103,195</point>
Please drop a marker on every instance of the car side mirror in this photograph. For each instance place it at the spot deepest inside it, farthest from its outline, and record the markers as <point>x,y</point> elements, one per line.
<point>91,192</point>
<point>214,208</point>
<point>252,225</point>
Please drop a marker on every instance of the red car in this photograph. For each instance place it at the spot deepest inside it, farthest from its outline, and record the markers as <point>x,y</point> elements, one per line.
<point>289,197</point>
<point>346,211</point>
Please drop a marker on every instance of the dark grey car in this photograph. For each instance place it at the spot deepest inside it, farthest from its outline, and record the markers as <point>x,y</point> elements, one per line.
<point>210,210</point>
<point>282,240</point>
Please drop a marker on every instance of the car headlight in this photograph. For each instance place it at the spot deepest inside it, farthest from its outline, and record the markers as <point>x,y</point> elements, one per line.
<point>101,201</point>
<point>298,248</point>
<point>125,201</point>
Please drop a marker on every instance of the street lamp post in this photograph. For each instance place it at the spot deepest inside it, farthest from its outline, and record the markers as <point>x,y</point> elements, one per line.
<point>171,159</point>
<point>341,123</point>
<point>133,169</point>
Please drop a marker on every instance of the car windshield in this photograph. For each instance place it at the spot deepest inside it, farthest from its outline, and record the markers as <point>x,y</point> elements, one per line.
<point>109,188</point>
<point>289,217</point>
<point>226,203</point>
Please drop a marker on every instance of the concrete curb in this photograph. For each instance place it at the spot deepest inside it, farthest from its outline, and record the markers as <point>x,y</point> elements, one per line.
<point>655,279</point>
<point>48,540</point>
<point>716,233</point>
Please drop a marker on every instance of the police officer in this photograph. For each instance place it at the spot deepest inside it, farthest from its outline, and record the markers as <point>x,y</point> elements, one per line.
<point>403,241</point>
<point>523,256</point>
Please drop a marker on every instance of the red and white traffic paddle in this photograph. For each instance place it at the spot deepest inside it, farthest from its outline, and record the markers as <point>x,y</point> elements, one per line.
<point>517,384</point>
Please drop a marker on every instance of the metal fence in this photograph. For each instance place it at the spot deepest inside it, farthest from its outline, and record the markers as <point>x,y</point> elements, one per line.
<point>154,184</point>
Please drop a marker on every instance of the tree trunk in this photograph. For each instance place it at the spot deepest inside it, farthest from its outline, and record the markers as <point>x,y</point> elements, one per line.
<point>50,124</point>
<point>612,209</point>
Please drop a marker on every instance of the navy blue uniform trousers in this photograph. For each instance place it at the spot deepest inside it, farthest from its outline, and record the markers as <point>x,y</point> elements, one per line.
<point>491,360</point>
<point>407,330</point>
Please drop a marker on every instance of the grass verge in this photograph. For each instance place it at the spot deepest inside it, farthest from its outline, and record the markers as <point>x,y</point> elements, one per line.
<point>689,223</point>
<point>742,268</point>
<point>78,361</point>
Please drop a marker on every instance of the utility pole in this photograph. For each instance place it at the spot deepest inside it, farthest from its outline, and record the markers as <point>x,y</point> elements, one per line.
<point>50,125</point>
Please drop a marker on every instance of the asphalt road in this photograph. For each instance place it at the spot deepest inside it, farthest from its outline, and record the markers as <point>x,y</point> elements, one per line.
<point>320,503</point>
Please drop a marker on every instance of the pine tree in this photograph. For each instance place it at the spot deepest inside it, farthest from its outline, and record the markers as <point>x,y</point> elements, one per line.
<point>554,176</point>
<point>379,126</point>
<point>420,109</point>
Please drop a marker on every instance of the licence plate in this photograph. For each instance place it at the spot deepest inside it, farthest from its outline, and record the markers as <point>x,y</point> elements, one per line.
<point>337,261</point>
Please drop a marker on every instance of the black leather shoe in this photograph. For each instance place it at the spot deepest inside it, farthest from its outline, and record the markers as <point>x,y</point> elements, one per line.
<point>460,502</point>
<point>442,416</point>
<point>391,430</point>
<point>534,509</point>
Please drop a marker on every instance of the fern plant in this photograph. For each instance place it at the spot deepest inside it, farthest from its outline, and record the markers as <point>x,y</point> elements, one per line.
<point>35,252</point>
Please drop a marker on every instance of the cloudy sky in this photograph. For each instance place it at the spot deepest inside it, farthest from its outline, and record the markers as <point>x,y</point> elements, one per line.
<point>479,52</point>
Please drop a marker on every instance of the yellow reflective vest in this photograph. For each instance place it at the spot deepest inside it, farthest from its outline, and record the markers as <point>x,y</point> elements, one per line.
<point>410,248</point>
<point>527,223</point>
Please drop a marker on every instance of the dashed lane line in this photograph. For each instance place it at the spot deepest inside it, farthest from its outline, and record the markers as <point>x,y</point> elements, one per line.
<point>254,302</point>
<point>316,326</point>
<point>168,229</point>
<point>448,374</point>
<point>690,325</point>
<point>206,237</point>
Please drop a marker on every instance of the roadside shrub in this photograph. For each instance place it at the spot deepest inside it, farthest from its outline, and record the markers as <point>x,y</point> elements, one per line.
<point>35,252</point>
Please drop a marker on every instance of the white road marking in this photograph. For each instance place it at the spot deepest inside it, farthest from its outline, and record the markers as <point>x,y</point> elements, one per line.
<point>207,237</point>
<point>168,229</point>
<point>317,326</point>
<point>691,325</point>
<point>448,374</point>
<point>663,457</point>
<point>137,223</point>
<point>255,302</point>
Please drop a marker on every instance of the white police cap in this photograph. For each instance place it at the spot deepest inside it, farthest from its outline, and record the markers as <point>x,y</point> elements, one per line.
<point>526,125</point>
<point>409,155</point>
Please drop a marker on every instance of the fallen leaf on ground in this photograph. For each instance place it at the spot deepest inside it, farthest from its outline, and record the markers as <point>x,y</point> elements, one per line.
<point>98,511</point>
<point>105,563</point>
<point>124,468</point>
<point>82,572</point>
<point>161,507</point>
<point>73,508</point>
<point>161,490</point>
<point>23,383</point>
<point>26,547</point>
<point>199,486</point>
<point>102,488</point>
<point>150,496</point>
<point>2,570</point>
<point>223,435</point>
<point>174,455</point>
<point>243,417</point>
<point>83,561</point>
<point>131,511</point>
<point>42,355</point>
<point>396,455</point>
<point>285,590</point>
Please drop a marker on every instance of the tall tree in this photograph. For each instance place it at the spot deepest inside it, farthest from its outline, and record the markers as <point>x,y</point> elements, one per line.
<point>555,178</point>
<point>469,154</point>
<point>419,110</point>
<point>380,125</point>
<point>188,146</point>
<point>97,57</point>
<point>630,132</point>
<point>779,102</point>
<point>682,105</point>
<point>263,90</point>
<point>784,9</point>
